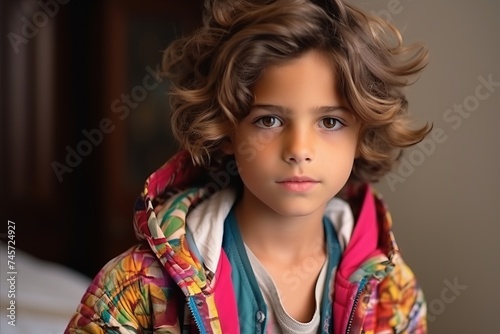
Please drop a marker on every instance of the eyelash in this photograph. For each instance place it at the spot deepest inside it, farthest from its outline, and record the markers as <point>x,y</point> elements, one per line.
<point>338,123</point>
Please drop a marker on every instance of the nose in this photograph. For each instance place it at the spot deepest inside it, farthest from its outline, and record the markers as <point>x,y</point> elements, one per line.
<point>298,145</point>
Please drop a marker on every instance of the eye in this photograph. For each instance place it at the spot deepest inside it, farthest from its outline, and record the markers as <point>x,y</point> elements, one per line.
<point>268,122</point>
<point>330,123</point>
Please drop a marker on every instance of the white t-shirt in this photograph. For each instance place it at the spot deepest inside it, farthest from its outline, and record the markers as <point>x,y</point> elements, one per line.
<point>278,320</point>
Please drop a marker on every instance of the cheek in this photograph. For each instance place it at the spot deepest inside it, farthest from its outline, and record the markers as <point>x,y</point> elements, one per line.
<point>252,146</point>
<point>342,156</point>
<point>257,164</point>
<point>265,138</point>
<point>252,176</point>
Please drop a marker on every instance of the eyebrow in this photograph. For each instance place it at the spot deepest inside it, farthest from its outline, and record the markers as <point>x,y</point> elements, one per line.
<point>284,110</point>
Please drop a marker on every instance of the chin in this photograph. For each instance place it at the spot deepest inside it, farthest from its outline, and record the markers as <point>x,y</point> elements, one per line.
<point>296,210</point>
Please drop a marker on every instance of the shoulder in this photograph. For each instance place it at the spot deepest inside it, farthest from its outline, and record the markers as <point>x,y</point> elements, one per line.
<point>137,265</point>
<point>400,296</point>
<point>401,279</point>
<point>130,291</point>
<point>138,280</point>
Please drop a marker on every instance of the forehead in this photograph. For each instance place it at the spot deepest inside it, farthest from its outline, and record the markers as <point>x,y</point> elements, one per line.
<point>309,79</point>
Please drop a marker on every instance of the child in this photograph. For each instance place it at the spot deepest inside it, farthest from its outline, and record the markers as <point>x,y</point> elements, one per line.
<point>265,222</point>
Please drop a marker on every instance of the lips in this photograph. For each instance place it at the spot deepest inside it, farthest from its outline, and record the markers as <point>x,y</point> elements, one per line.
<point>297,179</point>
<point>298,183</point>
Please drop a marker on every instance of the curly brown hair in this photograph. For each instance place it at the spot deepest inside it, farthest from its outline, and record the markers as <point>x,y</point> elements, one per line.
<point>212,72</point>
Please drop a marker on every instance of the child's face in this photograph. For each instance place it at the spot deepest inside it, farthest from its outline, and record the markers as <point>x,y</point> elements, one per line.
<point>295,149</point>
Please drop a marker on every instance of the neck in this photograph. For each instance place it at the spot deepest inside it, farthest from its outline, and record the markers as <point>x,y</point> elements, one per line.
<point>285,238</point>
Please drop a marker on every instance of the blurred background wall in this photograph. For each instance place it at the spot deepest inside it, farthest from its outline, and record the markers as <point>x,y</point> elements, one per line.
<point>84,120</point>
<point>444,196</point>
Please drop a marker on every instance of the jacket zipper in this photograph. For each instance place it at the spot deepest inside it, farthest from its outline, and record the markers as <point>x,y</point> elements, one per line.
<point>196,315</point>
<point>355,305</point>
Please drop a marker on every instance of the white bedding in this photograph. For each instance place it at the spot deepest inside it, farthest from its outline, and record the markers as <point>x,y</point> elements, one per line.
<point>46,294</point>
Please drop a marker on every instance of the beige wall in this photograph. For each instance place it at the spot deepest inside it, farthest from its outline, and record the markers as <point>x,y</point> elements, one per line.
<point>445,201</point>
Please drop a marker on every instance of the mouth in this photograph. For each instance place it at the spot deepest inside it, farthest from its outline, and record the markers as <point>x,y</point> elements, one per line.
<point>297,179</point>
<point>298,183</point>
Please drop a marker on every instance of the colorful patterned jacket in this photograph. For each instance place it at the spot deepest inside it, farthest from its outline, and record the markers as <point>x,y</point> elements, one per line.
<point>162,285</point>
